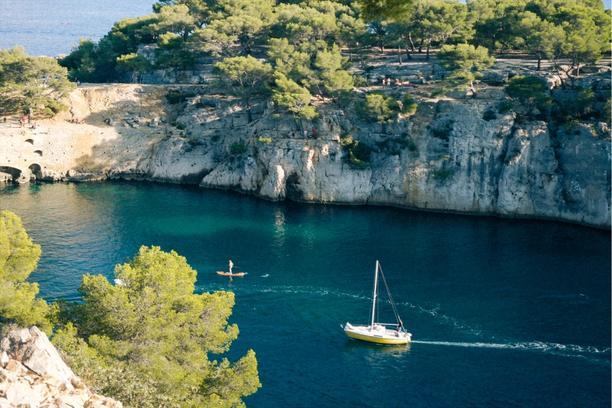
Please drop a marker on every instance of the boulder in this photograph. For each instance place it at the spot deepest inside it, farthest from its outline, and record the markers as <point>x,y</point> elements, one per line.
<point>33,374</point>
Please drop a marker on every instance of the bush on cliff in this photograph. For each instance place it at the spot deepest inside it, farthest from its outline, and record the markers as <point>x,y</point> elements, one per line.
<point>31,85</point>
<point>145,340</point>
<point>379,108</point>
<point>531,92</point>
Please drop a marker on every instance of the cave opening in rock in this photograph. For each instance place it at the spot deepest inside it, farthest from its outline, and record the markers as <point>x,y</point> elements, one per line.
<point>38,152</point>
<point>292,188</point>
<point>36,171</point>
<point>8,173</point>
<point>30,141</point>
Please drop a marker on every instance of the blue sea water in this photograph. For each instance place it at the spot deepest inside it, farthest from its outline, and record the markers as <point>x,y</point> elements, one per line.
<point>503,312</point>
<point>54,27</point>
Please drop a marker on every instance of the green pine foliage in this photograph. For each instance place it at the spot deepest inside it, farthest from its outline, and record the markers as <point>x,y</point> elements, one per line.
<point>19,257</point>
<point>307,49</point>
<point>289,95</point>
<point>464,62</point>
<point>147,340</point>
<point>380,108</point>
<point>36,85</point>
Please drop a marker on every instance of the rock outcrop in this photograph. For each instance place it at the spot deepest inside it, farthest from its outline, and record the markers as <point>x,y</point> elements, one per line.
<point>454,154</point>
<point>32,375</point>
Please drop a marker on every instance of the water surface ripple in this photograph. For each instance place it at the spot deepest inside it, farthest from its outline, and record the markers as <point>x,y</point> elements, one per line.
<point>503,312</point>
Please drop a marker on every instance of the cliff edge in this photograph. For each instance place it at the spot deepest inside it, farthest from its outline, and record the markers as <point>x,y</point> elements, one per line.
<point>32,374</point>
<point>454,153</point>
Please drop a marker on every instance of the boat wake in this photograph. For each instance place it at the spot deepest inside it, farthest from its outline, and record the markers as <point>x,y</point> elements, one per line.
<point>567,350</point>
<point>591,353</point>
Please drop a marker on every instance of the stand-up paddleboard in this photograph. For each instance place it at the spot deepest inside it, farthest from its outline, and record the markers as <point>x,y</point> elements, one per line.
<point>230,274</point>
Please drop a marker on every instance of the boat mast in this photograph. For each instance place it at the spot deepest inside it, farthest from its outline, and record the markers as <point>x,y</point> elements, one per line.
<point>374,296</point>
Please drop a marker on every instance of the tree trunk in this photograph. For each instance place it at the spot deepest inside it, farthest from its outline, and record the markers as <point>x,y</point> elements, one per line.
<point>539,62</point>
<point>399,54</point>
<point>427,52</point>
<point>411,42</point>
<point>249,113</point>
<point>473,89</point>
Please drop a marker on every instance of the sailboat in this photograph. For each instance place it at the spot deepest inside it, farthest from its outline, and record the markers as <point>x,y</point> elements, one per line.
<point>376,332</point>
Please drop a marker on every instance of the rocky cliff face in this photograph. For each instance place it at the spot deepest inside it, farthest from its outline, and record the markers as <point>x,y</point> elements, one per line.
<point>454,154</point>
<point>32,374</point>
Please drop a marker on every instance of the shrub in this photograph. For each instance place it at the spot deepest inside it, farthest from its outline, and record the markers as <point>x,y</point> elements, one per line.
<point>574,104</point>
<point>442,130</point>
<point>175,97</point>
<point>409,105</point>
<point>346,140</point>
<point>379,108</point>
<point>238,148</point>
<point>532,92</point>
<point>264,139</point>
<point>489,114</point>
<point>443,174</point>
<point>412,146</point>
<point>357,153</point>
<point>504,106</point>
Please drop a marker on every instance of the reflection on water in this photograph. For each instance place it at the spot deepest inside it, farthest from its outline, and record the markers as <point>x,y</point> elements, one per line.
<point>486,300</point>
<point>279,228</point>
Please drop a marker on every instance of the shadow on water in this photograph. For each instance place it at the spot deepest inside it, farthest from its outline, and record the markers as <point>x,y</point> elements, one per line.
<point>487,300</point>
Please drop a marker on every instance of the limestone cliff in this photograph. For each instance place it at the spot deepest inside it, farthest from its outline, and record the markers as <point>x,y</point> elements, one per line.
<point>32,374</point>
<point>454,154</point>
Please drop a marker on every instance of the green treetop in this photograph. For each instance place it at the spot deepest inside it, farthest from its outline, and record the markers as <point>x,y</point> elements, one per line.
<point>245,77</point>
<point>433,23</point>
<point>18,258</point>
<point>146,340</point>
<point>174,19</point>
<point>542,38</point>
<point>587,34</point>
<point>158,333</point>
<point>464,62</point>
<point>288,94</point>
<point>36,85</point>
<point>235,27</point>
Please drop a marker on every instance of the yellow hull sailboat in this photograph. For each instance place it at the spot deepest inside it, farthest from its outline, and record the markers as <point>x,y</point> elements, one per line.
<point>381,333</point>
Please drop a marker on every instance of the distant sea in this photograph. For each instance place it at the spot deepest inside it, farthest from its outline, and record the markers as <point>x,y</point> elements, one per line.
<point>54,27</point>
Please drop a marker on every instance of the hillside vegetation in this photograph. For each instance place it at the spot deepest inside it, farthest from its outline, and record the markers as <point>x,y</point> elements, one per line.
<point>293,52</point>
<point>145,340</point>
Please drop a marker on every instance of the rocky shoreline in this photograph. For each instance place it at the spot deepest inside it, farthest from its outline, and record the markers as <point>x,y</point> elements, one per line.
<point>33,374</point>
<point>455,154</point>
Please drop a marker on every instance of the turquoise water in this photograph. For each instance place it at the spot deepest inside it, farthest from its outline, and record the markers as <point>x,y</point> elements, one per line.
<point>503,312</point>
